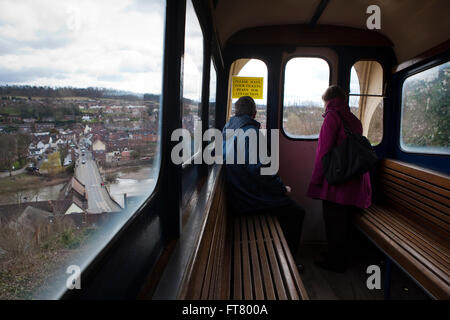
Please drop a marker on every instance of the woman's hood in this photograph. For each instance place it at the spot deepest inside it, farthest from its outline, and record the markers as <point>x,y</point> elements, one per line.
<point>340,106</point>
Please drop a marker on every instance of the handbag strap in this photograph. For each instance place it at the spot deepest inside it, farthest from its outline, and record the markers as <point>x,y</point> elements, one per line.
<point>346,127</point>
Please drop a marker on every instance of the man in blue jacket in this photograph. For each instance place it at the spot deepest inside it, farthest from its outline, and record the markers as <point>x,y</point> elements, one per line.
<point>249,191</point>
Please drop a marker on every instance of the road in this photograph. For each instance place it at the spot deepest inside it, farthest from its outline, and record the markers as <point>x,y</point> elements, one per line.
<point>98,198</point>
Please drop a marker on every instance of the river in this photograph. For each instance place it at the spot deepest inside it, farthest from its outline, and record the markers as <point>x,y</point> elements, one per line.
<point>32,194</point>
<point>138,183</point>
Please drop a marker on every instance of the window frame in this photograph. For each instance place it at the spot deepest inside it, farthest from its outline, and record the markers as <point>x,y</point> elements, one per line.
<point>229,88</point>
<point>383,95</point>
<point>191,161</point>
<point>427,66</point>
<point>146,216</point>
<point>282,84</point>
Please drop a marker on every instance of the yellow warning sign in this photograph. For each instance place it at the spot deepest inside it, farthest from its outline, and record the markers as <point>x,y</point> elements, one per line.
<point>248,86</point>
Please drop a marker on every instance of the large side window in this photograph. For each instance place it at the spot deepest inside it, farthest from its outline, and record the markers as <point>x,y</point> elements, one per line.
<point>249,70</point>
<point>192,76</point>
<point>366,98</point>
<point>425,120</point>
<point>80,87</point>
<point>305,80</point>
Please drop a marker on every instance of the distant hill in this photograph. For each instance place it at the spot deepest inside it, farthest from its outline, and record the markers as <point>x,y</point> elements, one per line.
<point>91,92</point>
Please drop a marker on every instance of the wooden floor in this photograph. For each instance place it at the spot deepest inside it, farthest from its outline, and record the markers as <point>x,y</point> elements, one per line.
<point>351,285</point>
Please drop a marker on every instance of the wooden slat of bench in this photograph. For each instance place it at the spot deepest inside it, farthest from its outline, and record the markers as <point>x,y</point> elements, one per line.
<point>211,263</point>
<point>217,271</point>
<point>279,285</point>
<point>426,175</point>
<point>396,198</point>
<point>266,272</point>
<point>440,244</point>
<point>293,266</point>
<point>246,271</point>
<point>409,250</point>
<point>437,194</point>
<point>394,250</point>
<point>237,262</point>
<point>418,234</point>
<point>256,271</point>
<point>439,210</point>
<point>227,259</point>
<point>198,277</point>
<point>422,245</point>
<point>284,265</point>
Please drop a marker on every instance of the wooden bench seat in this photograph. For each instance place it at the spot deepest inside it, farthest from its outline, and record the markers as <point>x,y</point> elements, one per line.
<point>262,265</point>
<point>409,221</point>
<point>240,258</point>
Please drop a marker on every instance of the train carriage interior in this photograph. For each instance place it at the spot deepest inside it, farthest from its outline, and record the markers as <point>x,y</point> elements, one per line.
<point>137,224</point>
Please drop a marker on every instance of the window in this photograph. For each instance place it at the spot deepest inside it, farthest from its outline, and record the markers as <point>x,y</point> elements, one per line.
<point>425,122</point>
<point>192,76</point>
<point>212,96</point>
<point>305,80</point>
<point>366,98</point>
<point>250,68</point>
<point>80,87</point>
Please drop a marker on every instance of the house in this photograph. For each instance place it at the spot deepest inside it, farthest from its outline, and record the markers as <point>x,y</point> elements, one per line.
<point>113,156</point>
<point>98,145</point>
<point>44,126</point>
<point>75,191</point>
<point>126,155</point>
<point>68,160</point>
<point>74,208</point>
<point>87,129</point>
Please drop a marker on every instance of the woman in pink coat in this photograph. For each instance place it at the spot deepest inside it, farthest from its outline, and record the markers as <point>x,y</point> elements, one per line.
<point>338,200</point>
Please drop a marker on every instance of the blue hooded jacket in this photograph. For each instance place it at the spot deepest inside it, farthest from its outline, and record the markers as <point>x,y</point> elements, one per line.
<point>247,189</point>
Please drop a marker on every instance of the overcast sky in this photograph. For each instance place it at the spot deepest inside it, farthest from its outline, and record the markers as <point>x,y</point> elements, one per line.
<point>104,43</point>
<point>117,44</point>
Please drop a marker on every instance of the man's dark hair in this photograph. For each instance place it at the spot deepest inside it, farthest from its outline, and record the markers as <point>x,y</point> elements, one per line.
<point>334,92</point>
<point>245,106</point>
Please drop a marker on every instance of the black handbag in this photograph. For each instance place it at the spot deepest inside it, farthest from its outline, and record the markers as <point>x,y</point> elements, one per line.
<point>352,158</point>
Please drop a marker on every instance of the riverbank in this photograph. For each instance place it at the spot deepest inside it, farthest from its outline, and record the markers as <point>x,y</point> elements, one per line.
<point>23,182</point>
<point>130,171</point>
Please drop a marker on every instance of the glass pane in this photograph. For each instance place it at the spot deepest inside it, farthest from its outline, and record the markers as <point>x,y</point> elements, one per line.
<point>80,87</point>
<point>353,101</point>
<point>192,75</point>
<point>212,96</point>
<point>306,79</point>
<point>425,125</point>
<point>366,77</point>
<point>253,68</point>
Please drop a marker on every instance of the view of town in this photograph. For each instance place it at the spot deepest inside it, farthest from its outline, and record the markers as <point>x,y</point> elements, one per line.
<point>70,159</point>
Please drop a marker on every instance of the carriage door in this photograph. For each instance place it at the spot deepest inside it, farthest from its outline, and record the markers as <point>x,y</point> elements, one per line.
<point>305,76</point>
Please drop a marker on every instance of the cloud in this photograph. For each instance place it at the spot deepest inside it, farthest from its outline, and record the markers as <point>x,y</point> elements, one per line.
<point>23,75</point>
<point>144,6</point>
<point>82,43</point>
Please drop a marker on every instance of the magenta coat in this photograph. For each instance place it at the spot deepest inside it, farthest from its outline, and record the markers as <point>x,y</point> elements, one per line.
<point>357,192</point>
